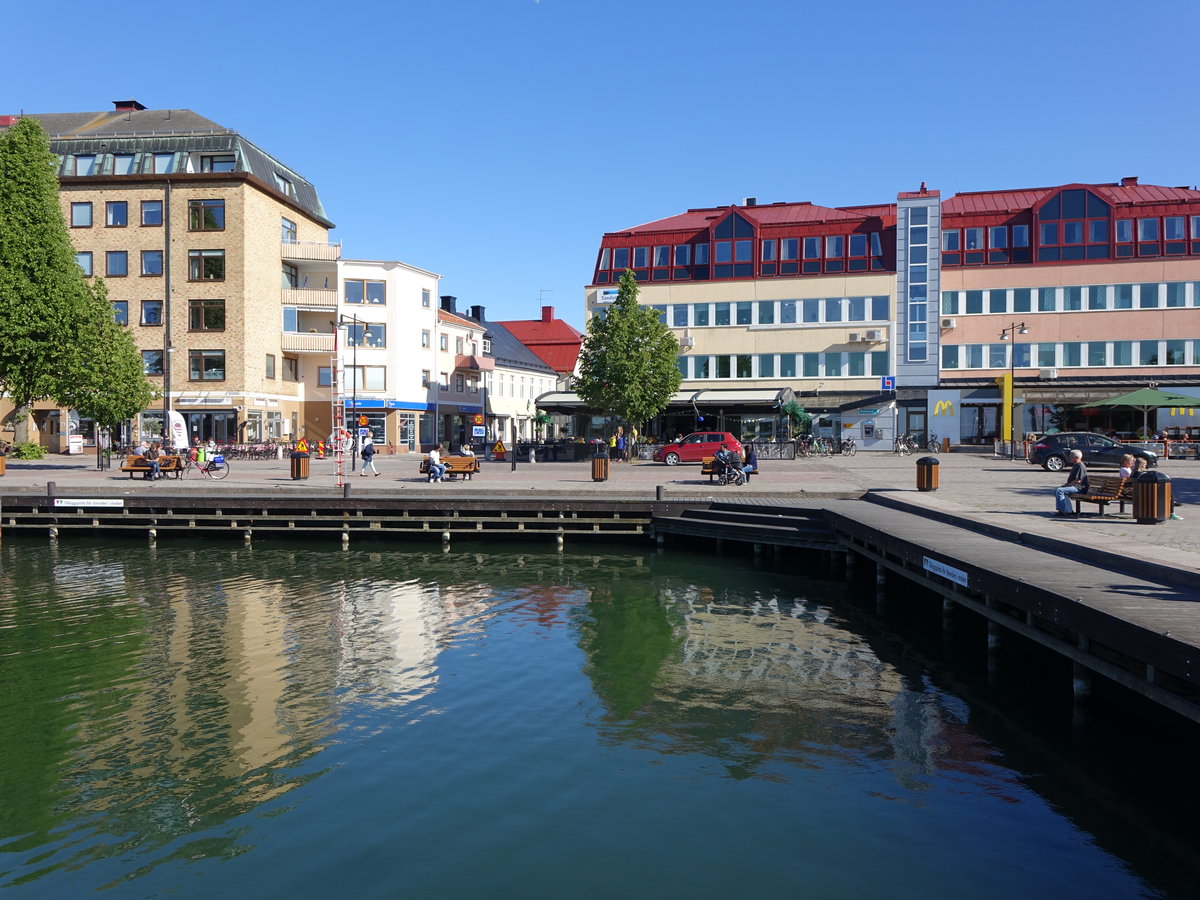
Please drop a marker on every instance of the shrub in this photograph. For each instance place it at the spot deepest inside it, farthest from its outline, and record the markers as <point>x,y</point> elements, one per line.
<point>27,450</point>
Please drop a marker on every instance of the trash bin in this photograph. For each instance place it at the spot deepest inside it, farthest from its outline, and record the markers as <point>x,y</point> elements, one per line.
<point>1151,498</point>
<point>600,463</point>
<point>927,473</point>
<point>2,464</point>
<point>299,466</point>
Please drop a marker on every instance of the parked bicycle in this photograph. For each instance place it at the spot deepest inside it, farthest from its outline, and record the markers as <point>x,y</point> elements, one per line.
<point>900,446</point>
<point>215,467</point>
<point>848,447</point>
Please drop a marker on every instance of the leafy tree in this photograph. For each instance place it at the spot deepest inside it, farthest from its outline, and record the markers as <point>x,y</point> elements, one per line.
<point>58,339</point>
<point>110,386</point>
<point>627,367</point>
<point>799,418</point>
<point>43,294</point>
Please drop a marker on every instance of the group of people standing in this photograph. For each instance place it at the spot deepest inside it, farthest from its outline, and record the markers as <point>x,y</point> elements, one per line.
<point>621,445</point>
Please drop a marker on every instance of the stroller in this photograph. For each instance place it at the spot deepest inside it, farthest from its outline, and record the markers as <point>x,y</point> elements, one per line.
<point>729,474</point>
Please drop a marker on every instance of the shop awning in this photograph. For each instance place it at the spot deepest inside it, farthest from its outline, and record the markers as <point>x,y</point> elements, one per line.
<point>731,400</point>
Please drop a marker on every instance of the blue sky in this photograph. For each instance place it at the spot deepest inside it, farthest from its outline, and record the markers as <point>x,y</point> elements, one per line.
<point>495,141</point>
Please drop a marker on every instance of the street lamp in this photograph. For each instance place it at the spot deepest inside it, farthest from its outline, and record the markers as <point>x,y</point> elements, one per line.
<point>355,337</point>
<point>1014,328</point>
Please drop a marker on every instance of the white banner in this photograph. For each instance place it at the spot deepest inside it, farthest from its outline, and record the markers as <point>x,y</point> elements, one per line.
<point>177,429</point>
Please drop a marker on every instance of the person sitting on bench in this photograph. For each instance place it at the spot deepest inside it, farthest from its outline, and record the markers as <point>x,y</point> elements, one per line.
<point>437,471</point>
<point>728,464</point>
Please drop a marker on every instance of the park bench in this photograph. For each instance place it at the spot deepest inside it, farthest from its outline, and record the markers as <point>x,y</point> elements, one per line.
<point>465,466</point>
<point>1103,491</point>
<point>706,468</point>
<point>166,464</point>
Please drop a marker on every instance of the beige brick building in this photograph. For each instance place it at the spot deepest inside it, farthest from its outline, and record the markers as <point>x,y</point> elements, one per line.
<point>202,239</point>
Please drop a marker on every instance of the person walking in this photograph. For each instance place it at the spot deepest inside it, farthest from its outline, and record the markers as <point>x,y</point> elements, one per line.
<point>367,452</point>
<point>1076,483</point>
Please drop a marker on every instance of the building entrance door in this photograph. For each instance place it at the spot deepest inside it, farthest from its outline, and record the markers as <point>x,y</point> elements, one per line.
<point>218,425</point>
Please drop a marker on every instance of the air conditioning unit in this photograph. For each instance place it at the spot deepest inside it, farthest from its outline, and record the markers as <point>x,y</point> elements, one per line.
<point>687,342</point>
<point>855,337</point>
<point>1048,374</point>
<point>949,323</point>
<point>875,335</point>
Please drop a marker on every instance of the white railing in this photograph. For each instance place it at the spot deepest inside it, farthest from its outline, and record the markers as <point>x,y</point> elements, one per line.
<point>324,250</point>
<point>307,343</point>
<point>305,297</point>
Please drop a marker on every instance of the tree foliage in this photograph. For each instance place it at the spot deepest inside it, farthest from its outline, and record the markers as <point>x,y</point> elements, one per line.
<point>58,339</point>
<point>799,418</point>
<point>627,366</point>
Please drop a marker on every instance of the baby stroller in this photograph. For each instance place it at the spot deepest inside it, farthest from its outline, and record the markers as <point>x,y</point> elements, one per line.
<point>729,474</point>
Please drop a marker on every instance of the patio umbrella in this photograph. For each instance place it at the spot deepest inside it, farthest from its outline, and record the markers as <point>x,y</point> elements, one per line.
<point>1145,399</point>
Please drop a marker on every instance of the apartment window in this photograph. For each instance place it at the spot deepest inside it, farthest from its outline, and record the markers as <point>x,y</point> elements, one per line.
<point>163,163</point>
<point>325,376</point>
<point>1047,299</point>
<point>269,369</point>
<point>425,338</point>
<point>1147,229</point>
<point>701,367</point>
<point>121,312</point>
<point>424,378</point>
<point>206,265</point>
<point>1072,298</point>
<point>766,312</point>
<point>997,301</point>
<point>284,185</point>
<point>951,240</point>
<point>291,276</point>
<point>84,261</point>
<point>787,312</point>
<point>745,313</point>
<point>1176,294</point>
<point>1123,296</point>
<point>1147,353</point>
<point>700,315</point>
<point>1122,353</point>
<point>443,343</point>
<point>679,315</point>
<point>787,365</point>
<point>366,334</point>
<point>152,262</point>
<point>222,163</point>
<point>206,215</point>
<point>359,290</point>
<point>85,165</point>
<point>835,247</point>
<point>291,319</point>
<point>116,214</point>
<point>81,215</point>
<point>1097,296</point>
<point>1148,296</point>
<point>458,384</point>
<point>641,257</point>
<point>1176,353</point>
<point>426,299</point>
<point>833,364</point>
<point>287,231</point>
<point>812,248</point>
<point>621,258</point>
<point>116,263</point>
<point>152,362</point>
<point>473,385</point>
<point>744,362</point>
<point>291,368</point>
<point>662,256</point>
<point>206,365</point>
<point>123,164</point>
<point>152,312</point>
<point>722,314</point>
<point>723,370</point>
<point>458,346</point>
<point>766,365</point>
<point>152,213</point>
<point>206,315</point>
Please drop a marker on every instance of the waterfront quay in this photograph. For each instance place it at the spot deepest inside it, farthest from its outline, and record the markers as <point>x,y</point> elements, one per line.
<point>1108,595</point>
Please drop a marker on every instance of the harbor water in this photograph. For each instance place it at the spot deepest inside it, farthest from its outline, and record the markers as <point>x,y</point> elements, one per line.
<point>198,720</point>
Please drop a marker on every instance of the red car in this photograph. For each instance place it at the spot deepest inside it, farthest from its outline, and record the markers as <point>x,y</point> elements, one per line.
<point>695,447</point>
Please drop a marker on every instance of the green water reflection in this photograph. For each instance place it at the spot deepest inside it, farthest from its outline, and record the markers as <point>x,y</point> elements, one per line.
<point>276,720</point>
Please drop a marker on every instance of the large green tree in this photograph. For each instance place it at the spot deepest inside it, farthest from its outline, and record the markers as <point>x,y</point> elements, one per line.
<point>53,336</point>
<point>628,365</point>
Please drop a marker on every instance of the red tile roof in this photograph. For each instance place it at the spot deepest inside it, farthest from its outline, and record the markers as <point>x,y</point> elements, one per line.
<point>444,316</point>
<point>556,343</point>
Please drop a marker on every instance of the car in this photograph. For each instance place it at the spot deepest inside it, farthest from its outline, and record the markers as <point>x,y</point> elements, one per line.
<point>1052,452</point>
<point>695,447</point>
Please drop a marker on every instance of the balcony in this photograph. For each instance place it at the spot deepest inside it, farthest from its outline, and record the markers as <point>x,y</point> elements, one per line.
<point>321,250</point>
<point>473,363</point>
<point>295,342</point>
<point>313,299</point>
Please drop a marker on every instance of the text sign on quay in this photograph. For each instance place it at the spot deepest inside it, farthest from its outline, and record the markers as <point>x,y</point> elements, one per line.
<point>88,501</point>
<point>958,576</point>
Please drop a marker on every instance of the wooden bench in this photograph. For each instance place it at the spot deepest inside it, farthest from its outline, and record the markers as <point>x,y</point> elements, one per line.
<point>1103,491</point>
<point>706,468</point>
<point>166,464</point>
<point>465,466</point>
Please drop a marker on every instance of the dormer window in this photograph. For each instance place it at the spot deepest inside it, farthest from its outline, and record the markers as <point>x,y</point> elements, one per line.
<point>284,185</point>
<point>487,345</point>
<point>223,163</point>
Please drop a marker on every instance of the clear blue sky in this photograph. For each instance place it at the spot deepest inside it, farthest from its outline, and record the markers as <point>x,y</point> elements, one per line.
<point>495,141</point>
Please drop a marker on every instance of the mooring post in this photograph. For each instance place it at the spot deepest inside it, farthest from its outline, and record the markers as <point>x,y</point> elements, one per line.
<point>346,491</point>
<point>947,617</point>
<point>658,492</point>
<point>1081,692</point>
<point>850,562</point>
<point>994,643</point>
<point>50,488</point>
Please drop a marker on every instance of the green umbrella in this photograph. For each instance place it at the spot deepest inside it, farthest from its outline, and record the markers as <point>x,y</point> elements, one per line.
<point>1145,399</point>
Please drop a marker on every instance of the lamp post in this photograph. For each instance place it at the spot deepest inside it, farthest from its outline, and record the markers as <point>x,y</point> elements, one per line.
<point>355,338</point>
<point>1014,328</point>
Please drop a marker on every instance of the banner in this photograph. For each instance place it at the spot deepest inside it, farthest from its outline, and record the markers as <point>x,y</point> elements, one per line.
<point>176,429</point>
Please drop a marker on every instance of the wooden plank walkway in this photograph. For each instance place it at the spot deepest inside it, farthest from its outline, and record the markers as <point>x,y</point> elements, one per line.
<point>1142,633</point>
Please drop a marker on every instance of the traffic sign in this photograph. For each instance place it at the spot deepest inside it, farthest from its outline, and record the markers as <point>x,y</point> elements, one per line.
<point>362,420</point>
<point>477,419</point>
<point>887,383</point>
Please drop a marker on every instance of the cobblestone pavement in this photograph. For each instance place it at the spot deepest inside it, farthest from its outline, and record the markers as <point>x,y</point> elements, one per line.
<point>1014,494</point>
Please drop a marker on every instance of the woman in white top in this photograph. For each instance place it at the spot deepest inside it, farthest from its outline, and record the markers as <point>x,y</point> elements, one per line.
<point>437,472</point>
<point>1126,470</point>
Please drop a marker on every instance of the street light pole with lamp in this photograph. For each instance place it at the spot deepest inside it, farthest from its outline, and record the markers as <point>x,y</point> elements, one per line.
<point>355,337</point>
<point>1013,329</point>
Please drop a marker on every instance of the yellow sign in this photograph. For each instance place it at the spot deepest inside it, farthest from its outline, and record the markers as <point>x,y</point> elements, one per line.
<point>944,408</point>
<point>499,448</point>
<point>362,420</point>
<point>477,419</point>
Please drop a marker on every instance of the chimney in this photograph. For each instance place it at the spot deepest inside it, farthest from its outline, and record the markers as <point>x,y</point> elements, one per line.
<point>123,105</point>
<point>477,313</point>
<point>1129,181</point>
<point>448,303</point>
<point>547,313</point>
<point>750,201</point>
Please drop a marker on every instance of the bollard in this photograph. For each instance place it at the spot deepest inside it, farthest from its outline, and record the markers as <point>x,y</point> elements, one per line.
<point>927,473</point>
<point>658,491</point>
<point>1151,498</point>
<point>50,486</point>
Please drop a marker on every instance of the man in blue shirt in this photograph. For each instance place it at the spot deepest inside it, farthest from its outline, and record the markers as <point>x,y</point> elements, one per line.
<point>1077,483</point>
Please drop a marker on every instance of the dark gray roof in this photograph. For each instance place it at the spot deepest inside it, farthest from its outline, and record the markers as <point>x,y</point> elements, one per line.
<point>508,351</point>
<point>169,131</point>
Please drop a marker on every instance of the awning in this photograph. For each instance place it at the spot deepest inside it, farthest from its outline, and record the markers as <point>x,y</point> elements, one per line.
<point>731,400</point>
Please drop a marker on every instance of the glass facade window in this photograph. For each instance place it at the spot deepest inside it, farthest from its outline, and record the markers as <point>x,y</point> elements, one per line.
<point>789,248</point>
<point>1071,354</point>
<point>1123,296</point>
<point>1047,234</point>
<point>722,314</point>
<point>745,313</point>
<point>1148,296</point>
<point>1122,353</point>
<point>1022,300</point>
<point>679,315</point>
<point>1020,236</point>
<point>766,312</point>
<point>1097,297</point>
<point>683,254</point>
<point>700,314</point>
<point>1047,299</point>
<point>766,365</point>
<point>810,364</point>
<point>787,312</point>
<point>1097,357</point>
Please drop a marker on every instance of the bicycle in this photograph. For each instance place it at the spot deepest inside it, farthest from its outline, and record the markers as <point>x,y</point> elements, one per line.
<point>215,468</point>
<point>900,447</point>
<point>933,444</point>
<point>848,447</point>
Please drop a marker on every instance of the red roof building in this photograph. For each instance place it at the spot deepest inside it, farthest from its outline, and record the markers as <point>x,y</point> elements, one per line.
<point>554,341</point>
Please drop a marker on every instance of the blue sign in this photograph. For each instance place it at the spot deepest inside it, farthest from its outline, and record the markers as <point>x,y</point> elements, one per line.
<point>887,383</point>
